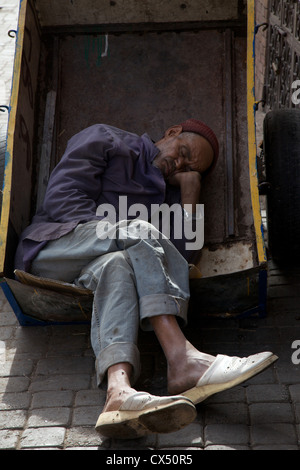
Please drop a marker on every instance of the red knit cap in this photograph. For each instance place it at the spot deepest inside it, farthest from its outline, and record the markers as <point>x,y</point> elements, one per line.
<point>199,127</point>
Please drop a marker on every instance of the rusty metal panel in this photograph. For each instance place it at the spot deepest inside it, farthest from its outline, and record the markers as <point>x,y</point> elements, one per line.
<point>146,83</point>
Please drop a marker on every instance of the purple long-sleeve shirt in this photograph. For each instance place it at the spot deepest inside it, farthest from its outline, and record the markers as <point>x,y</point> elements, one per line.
<point>100,164</point>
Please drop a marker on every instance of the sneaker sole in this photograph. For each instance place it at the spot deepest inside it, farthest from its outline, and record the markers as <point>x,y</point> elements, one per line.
<point>134,424</point>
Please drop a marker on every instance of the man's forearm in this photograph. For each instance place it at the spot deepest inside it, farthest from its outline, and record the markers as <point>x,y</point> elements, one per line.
<point>190,187</point>
<point>190,194</point>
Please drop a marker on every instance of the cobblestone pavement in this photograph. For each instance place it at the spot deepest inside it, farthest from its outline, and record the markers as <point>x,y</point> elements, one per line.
<point>48,395</point>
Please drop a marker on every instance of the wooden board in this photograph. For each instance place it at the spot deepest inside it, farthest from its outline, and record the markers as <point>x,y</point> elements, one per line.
<point>87,12</point>
<point>51,306</point>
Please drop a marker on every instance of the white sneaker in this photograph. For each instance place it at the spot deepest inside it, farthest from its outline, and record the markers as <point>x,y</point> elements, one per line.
<point>226,372</point>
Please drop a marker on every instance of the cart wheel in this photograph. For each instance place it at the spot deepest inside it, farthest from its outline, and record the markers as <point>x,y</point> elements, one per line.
<point>282,158</point>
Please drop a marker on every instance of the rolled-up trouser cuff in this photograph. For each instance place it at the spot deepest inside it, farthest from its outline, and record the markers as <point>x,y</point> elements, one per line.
<point>161,304</point>
<point>114,354</point>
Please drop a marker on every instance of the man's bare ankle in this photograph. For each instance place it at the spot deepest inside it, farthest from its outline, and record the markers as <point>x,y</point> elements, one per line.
<point>116,396</point>
<point>184,376</point>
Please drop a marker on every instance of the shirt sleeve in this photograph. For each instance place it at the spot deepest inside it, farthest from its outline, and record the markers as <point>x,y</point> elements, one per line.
<point>75,183</point>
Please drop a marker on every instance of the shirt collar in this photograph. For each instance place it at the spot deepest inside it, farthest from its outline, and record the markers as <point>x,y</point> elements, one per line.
<point>151,150</point>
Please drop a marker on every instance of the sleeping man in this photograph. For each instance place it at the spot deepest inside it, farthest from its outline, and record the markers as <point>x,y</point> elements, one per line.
<point>139,276</point>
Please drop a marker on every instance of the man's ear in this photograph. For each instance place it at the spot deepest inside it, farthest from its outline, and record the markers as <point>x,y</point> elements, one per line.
<point>173,131</point>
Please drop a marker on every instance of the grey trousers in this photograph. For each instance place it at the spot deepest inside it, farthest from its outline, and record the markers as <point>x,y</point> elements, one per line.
<point>132,278</point>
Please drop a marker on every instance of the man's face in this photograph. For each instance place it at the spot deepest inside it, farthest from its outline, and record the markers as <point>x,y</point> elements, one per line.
<point>182,151</point>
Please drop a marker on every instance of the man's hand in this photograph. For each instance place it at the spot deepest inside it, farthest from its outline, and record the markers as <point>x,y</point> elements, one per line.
<point>190,187</point>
